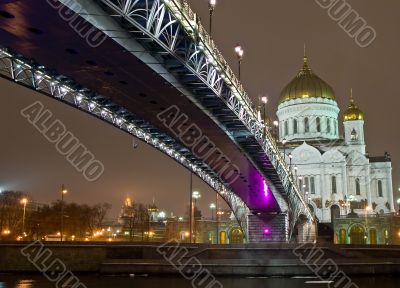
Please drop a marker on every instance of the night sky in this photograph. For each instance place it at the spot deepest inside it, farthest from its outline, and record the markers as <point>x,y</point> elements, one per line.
<point>272,34</point>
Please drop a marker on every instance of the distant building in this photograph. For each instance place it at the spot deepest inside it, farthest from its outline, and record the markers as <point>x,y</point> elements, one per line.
<point>137,222</point>
<point>206,230</point>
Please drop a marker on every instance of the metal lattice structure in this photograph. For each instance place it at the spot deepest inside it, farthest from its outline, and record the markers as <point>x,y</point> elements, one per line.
<point>185,55</point>
<point>176,30</point>
<point>27,73</point>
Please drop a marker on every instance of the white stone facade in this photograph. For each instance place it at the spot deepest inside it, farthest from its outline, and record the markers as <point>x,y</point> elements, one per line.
<point>335,174</point>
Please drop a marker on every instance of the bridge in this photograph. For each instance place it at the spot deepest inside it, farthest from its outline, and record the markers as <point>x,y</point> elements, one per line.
<point>149,68</point>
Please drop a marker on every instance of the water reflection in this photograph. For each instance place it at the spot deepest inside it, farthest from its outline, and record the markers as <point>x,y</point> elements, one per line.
<point>21,281</point>
<point>25,284</point>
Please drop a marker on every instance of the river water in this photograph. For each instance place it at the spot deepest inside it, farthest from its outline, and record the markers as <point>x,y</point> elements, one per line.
<point>32,281</point>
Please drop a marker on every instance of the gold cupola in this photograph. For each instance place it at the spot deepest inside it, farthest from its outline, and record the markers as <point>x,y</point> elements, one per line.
<point>353,113</point>
<point>306,85</point>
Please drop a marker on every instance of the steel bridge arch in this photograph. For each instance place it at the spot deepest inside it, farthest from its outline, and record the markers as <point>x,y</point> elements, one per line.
<point>177,30</point>
<point>30,75</point>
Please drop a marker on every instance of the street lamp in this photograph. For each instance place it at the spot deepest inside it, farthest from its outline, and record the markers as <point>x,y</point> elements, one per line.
<point>239,52</point>
<point>264,100</point>
<point>398,203</point>
<point>63,192</point>
<point>276,127</point>
<point>284,141</point>
<point>195,195</point>
<point>367,209</point>
<point>211,7</point>
<point>24,201</point>
<point>212,207</point>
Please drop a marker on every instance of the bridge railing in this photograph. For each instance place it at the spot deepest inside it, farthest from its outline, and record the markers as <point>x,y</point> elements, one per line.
<point>191,22</point>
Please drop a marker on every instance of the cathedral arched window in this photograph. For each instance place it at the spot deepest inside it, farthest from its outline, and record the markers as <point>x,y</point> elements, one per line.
<point>334,187</point>
<point>358,187</point>
<point>335,124</point>
<point>353,135</point>
<point>328,125</point>
<point>286,128</point>
<point>307,185</point>
<point>312,184</point>
<point>294,126</point>
<point>380,192</point>
<point>301,184</point>
<point>306,125</point>
<point>318,124</point>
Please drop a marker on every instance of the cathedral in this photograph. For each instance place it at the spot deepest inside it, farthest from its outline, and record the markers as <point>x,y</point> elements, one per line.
<point>335,173</point>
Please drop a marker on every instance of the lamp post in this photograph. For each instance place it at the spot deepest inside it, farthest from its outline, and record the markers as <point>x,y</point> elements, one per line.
<point>212,208</point>
<point>24,201</point>
<point>284,141</point>
<point>276,132</point>
<point>216,215</point>
<point>195,195</point>
<point>398,204</point>
<point>63,192</point>
<point>264,100</point>
<point>191,208</point>
<point>239,52</point>
<point>367,208</point>
<point>295,172</point>
<point>290,162</point>
<point>211,7</point>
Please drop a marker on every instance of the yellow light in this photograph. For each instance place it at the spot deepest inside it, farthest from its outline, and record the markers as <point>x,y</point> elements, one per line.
<point>398,233</point>
<point>58,234</point>
<point>109,239</point>
<point>187,234</point>
<point>24,201</point>
<point>86,239</point>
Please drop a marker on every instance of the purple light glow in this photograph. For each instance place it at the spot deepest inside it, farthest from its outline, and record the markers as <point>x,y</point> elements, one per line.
<point>265,189</point>
<point>266,231</point>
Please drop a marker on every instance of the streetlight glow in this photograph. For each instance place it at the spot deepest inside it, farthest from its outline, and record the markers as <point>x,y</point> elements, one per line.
<point>213,206</point>
<point>24,201</point>
<point>196,195</point>
<point>212,3</point>
<point>264,99</point>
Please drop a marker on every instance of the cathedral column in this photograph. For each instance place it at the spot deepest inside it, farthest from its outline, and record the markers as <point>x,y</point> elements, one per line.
<point>390,190</point>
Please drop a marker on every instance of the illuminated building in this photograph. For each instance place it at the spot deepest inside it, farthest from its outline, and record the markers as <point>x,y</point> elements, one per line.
<point>335,173</point>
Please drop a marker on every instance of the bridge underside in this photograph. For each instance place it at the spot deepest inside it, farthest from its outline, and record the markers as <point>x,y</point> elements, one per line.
<point>129,86</point>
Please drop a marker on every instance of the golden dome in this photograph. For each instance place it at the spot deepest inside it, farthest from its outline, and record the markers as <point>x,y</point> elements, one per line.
<point>306,85</point>
<point>353,112</point>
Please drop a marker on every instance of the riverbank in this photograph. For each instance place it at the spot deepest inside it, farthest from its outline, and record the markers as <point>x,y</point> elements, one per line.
<point>240,260</point>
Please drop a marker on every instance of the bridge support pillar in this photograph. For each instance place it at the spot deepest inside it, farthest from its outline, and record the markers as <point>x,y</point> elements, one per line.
<point>307,232</point>
<point>268,228</point>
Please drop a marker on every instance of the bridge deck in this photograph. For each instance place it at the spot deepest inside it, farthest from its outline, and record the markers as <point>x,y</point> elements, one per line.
<point>37,31</point>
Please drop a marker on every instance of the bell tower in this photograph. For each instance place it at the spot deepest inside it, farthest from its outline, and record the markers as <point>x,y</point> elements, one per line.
<point>354,125</point>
